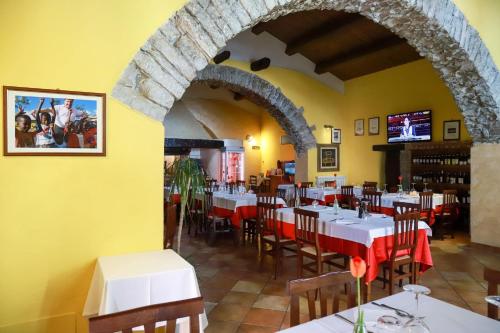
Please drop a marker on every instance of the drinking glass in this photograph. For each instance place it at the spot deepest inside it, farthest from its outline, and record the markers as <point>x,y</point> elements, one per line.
<point>315,202</point>
<point>416,324</point>
<point>413,188</point>
<point>388,323</point>
<point>425,187</point>
<point>385,189</point>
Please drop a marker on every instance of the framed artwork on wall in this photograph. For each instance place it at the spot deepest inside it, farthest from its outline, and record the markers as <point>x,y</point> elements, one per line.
<point>53,122</point>
<point>374,126</point>
<point>336,135</point>
<point>359,127</point>
<point>451,130</point>
<point>328,157</point>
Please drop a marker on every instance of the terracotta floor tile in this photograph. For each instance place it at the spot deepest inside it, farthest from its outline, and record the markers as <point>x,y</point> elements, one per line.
<point>238,297</point>
<point>228,312</point>
<point>264,317</point>
<point>220,283</point>
<point>255,329</point>
<point>212,294</point>
<point>248,286</point>
<point>275,288</point>
<point>215,326</point>
<point>272,302</point>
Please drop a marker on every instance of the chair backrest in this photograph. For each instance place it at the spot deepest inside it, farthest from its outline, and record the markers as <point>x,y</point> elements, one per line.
<point>267,197</point>
<point>347,190</point>
<point>331,282</point>
<point>405,207</point>
<point>307,184</point>
<point>375,200</point>
<point>493,278</point>
<point>330,183</point>
<point>450,204</point>
<point>241,183</point>
<point>306,228</point>
<point>370,186</point>
<point>252,180</point>
<point>405,233</point>
<point>209,203</point>
<point>148,316</point>
<point>265,186</point>
<point>169,225</point>
<point>266,219</point>
<point>302,193</point>
<point>425,201</point>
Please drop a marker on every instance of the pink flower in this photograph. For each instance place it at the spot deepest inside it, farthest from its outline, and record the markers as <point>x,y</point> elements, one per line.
<point>358,267</point>
<point>299,184</point>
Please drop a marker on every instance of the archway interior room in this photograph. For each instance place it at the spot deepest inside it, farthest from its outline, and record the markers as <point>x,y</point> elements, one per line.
<point>256,166</point>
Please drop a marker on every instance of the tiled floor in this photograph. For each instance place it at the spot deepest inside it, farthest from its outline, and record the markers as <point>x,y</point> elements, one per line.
<point>241,297</point>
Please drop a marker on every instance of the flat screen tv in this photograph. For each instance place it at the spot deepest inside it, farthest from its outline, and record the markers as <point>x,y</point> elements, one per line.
<point>289,168</point>
<point>409,127</point>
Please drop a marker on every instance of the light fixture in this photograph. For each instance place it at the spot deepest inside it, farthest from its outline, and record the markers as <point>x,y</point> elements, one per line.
<point>328,126</point>
<point>252,142</point>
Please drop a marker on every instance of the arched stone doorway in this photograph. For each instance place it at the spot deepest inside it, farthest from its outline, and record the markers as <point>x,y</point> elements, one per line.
<point>167,63</point>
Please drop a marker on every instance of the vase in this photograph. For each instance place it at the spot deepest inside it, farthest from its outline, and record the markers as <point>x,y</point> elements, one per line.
<point>360,328</point>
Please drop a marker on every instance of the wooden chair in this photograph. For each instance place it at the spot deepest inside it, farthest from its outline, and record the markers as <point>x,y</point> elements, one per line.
<point>265,186</point>
<point>375,200</point>
<point>447,217</point>
<point>369,186</point>
<point>232,187</point>
<point>347,193</point>
<point>148,316</point>
<point>215,224</point>
<point>307,238</point>
<point>405,240</point>
<point>211,183</point>
<point>281,193</point>
<point>405,207</point>
<point>333,282</point>
<point>302,193</point>
<point>250,226</point>
<point>493,278</point>
<point>331,183</point>
<point>307,184</point>
<point>271,234</point>
<point>425,201</point>
<point>169,225</point>
<point>240,183</point>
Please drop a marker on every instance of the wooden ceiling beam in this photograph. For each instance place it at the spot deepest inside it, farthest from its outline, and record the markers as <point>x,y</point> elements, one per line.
<point>327,29</point>
<point>361,51</point>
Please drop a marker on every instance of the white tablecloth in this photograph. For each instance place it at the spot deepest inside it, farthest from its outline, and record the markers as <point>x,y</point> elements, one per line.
<point>317,193</point>
<point>290,188</point>
<point>362,231</point>
<point>233,201</point>
<point>135,280</point>
<point>389,198</point>
<point>441,317</point>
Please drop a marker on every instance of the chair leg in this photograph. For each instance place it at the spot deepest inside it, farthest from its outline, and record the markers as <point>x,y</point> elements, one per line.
<point>319,266</point>
<point>299,264</point>
<point>384,270</point>
<point>400,283</point>
<point>276,256</point>
<point>391,279</point>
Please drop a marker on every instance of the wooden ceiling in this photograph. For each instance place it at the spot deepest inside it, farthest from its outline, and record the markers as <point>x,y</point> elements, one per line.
<point>344,44</point>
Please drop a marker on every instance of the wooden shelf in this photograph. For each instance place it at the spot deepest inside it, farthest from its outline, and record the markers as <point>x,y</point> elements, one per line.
<point>438,167</point>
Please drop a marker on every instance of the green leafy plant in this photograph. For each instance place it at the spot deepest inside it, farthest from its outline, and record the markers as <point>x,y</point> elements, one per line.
<point>186,175</point>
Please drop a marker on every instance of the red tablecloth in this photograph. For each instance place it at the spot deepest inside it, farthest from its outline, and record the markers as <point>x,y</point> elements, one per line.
<point>377,253</point>
<point>243,212</point>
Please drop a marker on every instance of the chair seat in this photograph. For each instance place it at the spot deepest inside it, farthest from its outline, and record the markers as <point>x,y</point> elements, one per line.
<point>312,251</point>
<point>272,239</point>
<point>406,258</point>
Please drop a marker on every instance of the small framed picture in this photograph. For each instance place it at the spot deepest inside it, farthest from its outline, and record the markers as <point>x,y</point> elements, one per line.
<point>451,130</point>
<point>328,157</point>
<point>359,127</point>
<point>53,122</point>
<point>373,126</point>
<point>336,135</point>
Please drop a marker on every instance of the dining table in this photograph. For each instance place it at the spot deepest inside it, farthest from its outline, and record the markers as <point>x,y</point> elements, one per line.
<point>128,281</point>
<point>371,238</point>
<point>439,316</point>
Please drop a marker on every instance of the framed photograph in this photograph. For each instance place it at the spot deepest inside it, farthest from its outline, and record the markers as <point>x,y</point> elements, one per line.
<point>451,130</point>
<point>328,157</point>
<point>53,122</point>
<point>373,126</point>
<point>359,127</point>
<point>336,135</point>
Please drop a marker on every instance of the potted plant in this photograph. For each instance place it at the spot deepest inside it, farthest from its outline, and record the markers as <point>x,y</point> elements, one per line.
<point>186,175</point>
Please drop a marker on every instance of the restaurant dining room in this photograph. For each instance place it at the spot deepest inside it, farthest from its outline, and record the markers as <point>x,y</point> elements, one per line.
<point>226,166</point>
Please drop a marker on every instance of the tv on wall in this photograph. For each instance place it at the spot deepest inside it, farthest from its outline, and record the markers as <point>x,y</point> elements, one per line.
<point>289,167</point>
<point>409,127</point>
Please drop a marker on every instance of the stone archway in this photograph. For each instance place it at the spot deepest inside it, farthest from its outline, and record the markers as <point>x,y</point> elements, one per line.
<point>262,93</point>
<point>167,63</point>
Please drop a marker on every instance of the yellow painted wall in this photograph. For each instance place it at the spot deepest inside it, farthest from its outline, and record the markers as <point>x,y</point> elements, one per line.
<point>410,87</point>
<point>270,143</point>
<point>105,205</point>
<point>58,214</point>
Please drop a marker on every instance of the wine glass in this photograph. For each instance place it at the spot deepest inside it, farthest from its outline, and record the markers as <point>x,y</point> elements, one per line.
<point>413,188</point>
<point>417,324</point>
<point>315,201</point>
<point>495,300</point>
<point>385,189</point>
<point>425,188</point>
<point>389,323</point>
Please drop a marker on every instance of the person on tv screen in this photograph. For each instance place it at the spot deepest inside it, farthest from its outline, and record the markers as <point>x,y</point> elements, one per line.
<point>408,131</point>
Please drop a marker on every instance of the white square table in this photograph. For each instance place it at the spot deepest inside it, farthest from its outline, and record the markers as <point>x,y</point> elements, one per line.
<point>128,281</point>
